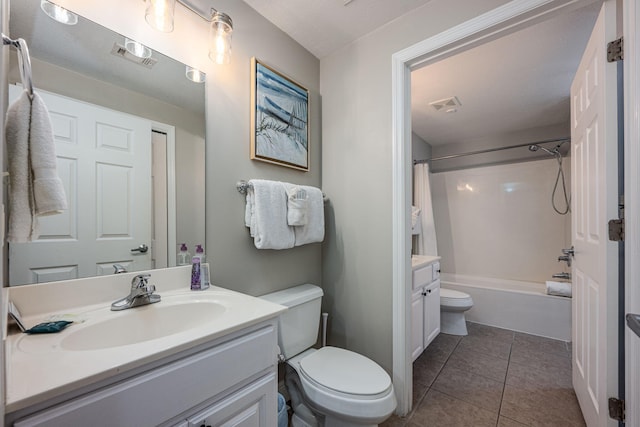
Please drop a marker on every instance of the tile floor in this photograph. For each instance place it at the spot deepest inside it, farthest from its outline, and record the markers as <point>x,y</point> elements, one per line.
<point>492,377</point>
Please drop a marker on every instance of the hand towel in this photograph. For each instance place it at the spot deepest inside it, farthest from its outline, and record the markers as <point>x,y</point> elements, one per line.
<point>561,289</point>
<point>297,202</point>
<point>48,190</point>
<point>35,188</point>
<point>313,231</point>
<point>268,215</point>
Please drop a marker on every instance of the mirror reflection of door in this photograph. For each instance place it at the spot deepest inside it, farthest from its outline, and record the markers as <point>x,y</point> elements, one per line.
<point>104,161</point>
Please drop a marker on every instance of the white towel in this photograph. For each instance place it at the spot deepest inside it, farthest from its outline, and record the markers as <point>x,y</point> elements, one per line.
<point>35,188</point>
<point>313,231</point>
<point>297,205</point>
<point>266,215</point>
<point>562,289</point>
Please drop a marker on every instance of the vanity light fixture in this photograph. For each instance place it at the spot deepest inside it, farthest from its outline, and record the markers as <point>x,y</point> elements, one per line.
<point>159,14</point>
<point>137,49</point>
<point>58,13</point>
<point>194,75</point>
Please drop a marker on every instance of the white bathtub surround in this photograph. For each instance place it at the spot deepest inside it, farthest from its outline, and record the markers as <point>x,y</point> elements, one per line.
<point>514,304</point>
<point>561,289</point>
<point>497,221</point>
<point>426,241</point>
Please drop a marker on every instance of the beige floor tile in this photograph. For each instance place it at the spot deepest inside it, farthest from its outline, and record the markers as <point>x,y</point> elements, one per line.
<point>543,407</point>
<point>479,364</point>
<point>477,329</point>
<point>536,359</point>
<point>425,373</point>
<point>546,345</point>
<point>438,409</point>
<point>440,349</point>
<point>475,389</point>
<point>506,422</point>
<point>548,377</point>
<point>487,345</point>
<point>394,421</point>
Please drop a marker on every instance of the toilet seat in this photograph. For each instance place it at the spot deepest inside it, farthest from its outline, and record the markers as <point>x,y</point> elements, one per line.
<point>451,298</point>
<point>342,382</point>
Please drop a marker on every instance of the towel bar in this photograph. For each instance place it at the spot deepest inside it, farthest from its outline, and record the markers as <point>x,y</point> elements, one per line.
<point>242,186</point>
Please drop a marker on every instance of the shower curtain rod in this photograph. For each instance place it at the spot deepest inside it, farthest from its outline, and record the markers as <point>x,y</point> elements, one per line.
<point>489,150</point>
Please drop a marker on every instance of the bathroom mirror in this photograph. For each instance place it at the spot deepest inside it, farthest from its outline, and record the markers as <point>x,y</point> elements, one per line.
<point>114,103</point>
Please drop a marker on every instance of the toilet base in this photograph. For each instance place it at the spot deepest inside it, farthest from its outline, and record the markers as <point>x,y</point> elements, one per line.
<point>453,323</point>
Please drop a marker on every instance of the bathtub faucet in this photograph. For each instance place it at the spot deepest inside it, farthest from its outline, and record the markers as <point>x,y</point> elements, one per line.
<point>565,276</point>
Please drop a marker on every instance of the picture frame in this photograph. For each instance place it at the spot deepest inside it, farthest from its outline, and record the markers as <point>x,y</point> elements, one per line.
<point>279,118</point>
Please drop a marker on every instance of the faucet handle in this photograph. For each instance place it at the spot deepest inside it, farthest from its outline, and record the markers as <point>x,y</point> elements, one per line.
<point>569,252</point>
<point>140,281</point>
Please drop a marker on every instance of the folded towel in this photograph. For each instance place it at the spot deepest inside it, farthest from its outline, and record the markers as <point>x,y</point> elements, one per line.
<point>297,203</point>
<point>266,215</point>
<point>48,190</point>
<point>35,188</point>
<point>313,231</point>
<point>562,289</point>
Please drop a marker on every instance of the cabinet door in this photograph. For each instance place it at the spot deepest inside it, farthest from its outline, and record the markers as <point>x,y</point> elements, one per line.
<point>417,324</point>
<point>431,312</point>
<point>255,405</point>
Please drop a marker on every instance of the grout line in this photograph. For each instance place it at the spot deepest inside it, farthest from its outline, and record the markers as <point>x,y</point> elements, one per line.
<point>504,386</point>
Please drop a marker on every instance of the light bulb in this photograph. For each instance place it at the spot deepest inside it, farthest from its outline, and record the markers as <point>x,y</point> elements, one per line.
<point>195,75</point>
<point>220,35</point>
<point>159,14</point>
<point>137,49</point>
<point>58,13</point>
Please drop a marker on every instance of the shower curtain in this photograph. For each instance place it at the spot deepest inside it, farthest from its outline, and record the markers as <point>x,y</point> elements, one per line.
<point>426,241</point>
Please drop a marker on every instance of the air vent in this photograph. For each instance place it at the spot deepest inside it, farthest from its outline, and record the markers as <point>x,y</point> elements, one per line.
<point>447,105</point>
<point>119,50</point>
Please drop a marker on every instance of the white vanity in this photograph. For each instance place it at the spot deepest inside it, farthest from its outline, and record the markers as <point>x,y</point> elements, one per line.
<point>194,358</point>
<point>425,302</point>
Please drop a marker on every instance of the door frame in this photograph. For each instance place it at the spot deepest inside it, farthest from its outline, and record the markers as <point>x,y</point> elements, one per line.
<point>631,34</point>
<point>503,20</point>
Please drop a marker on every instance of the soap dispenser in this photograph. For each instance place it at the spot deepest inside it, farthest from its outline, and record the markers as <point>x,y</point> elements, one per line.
<point>184,257</point>
<point>196,269</point>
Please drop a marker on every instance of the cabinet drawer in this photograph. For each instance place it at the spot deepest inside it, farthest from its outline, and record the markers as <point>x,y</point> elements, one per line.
<point>154,397</point>
<point>422,276</point>
<point>436,270</point>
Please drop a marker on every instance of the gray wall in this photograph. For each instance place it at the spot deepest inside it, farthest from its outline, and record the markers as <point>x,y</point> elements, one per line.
<point>357,166</point>
<point>236,263</point>
<point>420,149</point>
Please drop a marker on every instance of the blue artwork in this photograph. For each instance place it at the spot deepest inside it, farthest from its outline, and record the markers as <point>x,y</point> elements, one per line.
<point>281,127</point>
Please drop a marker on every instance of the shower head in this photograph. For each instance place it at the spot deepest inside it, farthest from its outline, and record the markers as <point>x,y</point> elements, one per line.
<point>536,147</point>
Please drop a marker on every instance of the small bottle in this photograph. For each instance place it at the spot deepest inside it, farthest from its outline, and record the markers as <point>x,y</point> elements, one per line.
<point>184,257</point>
<point>196,269</point>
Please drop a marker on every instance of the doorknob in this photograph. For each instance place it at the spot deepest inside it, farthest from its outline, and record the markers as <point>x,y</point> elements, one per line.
<point>142,249</point>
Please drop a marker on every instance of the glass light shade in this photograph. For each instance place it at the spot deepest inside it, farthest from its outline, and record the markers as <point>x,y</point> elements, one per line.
<point>220,38</point>
<point>58,13</point>
<point>194,75</point>
<point>159,14</point>
<point>137,49</point>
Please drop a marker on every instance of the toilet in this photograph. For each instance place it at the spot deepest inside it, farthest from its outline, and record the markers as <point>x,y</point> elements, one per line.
<point>330,386</point>
<point>453,304</point>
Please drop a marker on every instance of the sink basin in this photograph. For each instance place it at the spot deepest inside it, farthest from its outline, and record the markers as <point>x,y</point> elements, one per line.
<point>142,324</point>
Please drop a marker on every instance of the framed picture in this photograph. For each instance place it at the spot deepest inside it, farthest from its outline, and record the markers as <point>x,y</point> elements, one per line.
<point>279,118</point>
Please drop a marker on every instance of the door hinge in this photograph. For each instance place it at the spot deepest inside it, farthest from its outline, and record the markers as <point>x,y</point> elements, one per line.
<point>616,230</point>
<point>615,50</point>
<point>616,409</point>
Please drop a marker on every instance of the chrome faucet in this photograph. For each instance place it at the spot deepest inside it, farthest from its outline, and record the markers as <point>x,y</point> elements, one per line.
<point>565,276</point>
<point>565,258</point>
<point>142,293</point>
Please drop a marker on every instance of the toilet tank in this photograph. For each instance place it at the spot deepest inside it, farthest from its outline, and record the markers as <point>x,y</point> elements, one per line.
<point>298,326</point>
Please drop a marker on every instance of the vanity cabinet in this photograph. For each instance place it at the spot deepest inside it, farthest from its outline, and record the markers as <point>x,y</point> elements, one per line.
<point>232,382</point>
<point>425,306</point>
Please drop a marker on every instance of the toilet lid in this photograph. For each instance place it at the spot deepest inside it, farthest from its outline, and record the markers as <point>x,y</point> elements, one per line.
<point>450,293</point>
<point>345,371</point>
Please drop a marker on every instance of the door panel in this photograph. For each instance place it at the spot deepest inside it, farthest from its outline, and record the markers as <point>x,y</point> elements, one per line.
<point>594,197</point>
<point>104,162</point>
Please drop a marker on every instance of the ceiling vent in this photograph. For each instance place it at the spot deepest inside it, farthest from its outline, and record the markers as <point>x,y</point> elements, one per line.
<point>122,52</point>
<point>447,105</point>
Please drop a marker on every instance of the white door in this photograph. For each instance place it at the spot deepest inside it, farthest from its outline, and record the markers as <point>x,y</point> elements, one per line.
<point>160,254</point>
<point>594,195</point>
<point>104,161</point>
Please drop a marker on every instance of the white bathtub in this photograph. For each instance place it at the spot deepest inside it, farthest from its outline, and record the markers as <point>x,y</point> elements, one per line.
<point>512,304</point>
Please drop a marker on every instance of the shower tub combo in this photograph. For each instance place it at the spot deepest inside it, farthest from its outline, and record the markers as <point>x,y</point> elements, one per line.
<point>512,304</point>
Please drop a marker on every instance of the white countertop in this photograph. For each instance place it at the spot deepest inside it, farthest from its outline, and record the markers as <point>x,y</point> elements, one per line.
<point>39,368</point>
<point>418,261</point>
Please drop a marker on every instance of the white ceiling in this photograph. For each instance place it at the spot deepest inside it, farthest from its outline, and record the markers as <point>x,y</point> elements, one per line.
<point>324,26</point>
